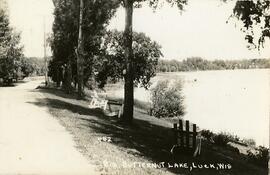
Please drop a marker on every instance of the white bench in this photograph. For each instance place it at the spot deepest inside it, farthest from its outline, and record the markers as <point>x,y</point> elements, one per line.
<point>102,103</point>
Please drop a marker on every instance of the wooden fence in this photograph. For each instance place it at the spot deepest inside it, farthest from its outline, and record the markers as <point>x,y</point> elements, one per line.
<point>184,138</point>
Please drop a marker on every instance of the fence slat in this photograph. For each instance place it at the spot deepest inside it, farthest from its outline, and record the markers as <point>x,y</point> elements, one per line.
<point>194,134</point>
<point>181,132</point>
<point>175,133</point>
<point>187,133</point>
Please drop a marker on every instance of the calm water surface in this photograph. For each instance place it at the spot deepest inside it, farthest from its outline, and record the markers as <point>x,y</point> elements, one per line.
<point>235,101</point>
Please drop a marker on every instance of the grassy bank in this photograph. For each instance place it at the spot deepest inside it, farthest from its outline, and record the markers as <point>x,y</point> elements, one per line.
<point>112,147</point>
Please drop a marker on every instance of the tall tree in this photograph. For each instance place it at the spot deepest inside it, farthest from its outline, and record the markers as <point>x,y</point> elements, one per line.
<point>80,52</point>
<point>10,48</point>
<point>65,43</point>
<point>128,88</point>
<point>129,78</point>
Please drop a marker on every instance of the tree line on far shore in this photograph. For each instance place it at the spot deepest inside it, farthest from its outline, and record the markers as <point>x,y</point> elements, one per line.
<point>200,64</point>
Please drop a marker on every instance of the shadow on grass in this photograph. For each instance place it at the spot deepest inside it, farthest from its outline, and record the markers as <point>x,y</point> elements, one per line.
<point>58,104</point>
<point>147,137</point>
<point>142,136</point>
<point>57,91</point>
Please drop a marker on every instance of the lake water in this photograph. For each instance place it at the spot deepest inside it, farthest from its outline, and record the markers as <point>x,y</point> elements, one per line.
<point>235,101</point>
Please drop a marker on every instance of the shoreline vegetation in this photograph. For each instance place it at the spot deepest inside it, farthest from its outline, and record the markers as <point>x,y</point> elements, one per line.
<point>108,143</point>
<point>200,64</point>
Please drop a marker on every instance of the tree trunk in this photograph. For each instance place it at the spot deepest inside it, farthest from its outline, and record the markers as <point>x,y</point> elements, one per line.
<point>129,89</point>
<point>80,53</point>
<point>57,77</point>
<point>68,86</point>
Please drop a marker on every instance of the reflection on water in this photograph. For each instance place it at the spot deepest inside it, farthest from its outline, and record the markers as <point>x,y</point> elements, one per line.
<point>235,101</point>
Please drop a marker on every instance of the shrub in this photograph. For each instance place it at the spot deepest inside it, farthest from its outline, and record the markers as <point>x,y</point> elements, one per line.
<point>221,139</point>
<point>232,137</point>
<point>235,138</point>
<point>249,142</point>
<point>167,99</point>
<point>233,149</point>
<point>260,158</point>
<point>207,134</point>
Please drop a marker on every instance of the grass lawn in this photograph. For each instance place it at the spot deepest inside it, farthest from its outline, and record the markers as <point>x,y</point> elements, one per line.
<point>132,148</point>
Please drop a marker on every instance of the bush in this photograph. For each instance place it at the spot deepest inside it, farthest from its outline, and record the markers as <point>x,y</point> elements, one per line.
<point>260,158</point>
<point>235,138</point>
<point>167,99</point>
<point>249,142</point>
<point>207,134</point>
<point>233,149</point>
<point>221,139</point>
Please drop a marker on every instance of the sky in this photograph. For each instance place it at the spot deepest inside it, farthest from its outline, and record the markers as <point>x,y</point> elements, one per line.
<point>31,18</point>
<point>200,30</point>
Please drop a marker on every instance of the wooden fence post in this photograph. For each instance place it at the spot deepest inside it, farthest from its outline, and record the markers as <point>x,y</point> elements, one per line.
<point>194,134</point>
<point>181,133</point>
<point>187,133</point>
<point>175,133</point>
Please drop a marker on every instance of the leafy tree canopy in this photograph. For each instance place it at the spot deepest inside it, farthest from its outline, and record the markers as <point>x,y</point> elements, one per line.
<point>10,48</point>
<point>157,3</point>
<point>64,40</point>
<point>145,52</point>
<point>255,15</point>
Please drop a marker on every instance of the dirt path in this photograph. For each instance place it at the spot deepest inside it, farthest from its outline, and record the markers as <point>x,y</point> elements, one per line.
<point>31,140</point>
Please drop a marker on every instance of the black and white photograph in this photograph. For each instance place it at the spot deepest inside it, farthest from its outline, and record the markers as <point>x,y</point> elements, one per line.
<point>134,87</point>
